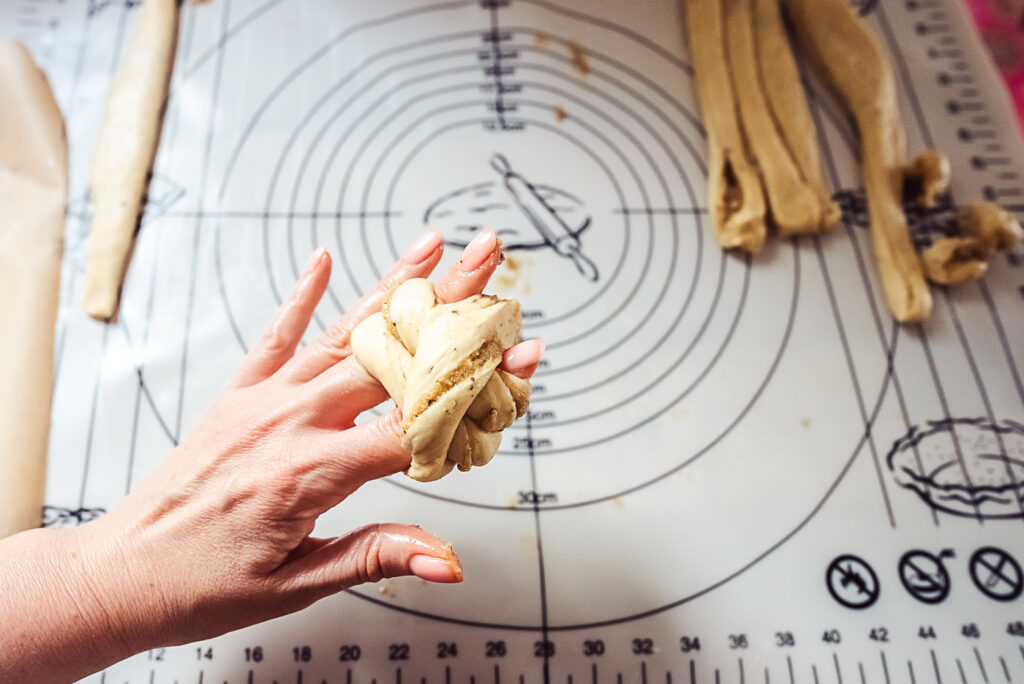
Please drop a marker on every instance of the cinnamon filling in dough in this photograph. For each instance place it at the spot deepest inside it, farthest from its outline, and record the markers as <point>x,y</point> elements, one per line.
<point>439,362</point>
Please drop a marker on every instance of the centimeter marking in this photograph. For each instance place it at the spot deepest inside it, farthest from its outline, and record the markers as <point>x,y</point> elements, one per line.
<point>874,669</point>
<point>964,109</point>
<point>32,21</point>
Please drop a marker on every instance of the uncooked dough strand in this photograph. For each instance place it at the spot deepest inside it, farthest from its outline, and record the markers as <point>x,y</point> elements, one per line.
<point>735,196</point>
<point>783,87</point>
<point>853,63</point>
<point>793,206</point>
<point>125,149</point>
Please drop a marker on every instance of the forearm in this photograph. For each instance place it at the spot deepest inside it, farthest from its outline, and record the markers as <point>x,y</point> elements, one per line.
<point>218,537</point>
<point>58,603</point>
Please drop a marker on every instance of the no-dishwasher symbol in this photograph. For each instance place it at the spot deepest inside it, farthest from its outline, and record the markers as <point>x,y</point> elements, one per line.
<point>852,582</point>
<point>996,573</point>
<point>924,575</point>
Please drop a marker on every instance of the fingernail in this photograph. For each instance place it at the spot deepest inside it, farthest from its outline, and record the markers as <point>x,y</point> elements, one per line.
<point>314,259</point>
<point>524,355</point>
<point>436,569</point>
<point>422,248</point>
<point>477,251</point>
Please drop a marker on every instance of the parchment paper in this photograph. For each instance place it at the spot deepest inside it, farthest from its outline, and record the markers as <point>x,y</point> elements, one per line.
<point>33,199</point>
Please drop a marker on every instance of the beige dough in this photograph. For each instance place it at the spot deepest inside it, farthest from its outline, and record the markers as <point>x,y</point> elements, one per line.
<point>125,149</point>
<point>995,227</point>
<point>852,61</point>
<point>781,83</point>
<point>954,260</point>
<point>794,208</point>
<point>984,229</point>
<point>439,362</point>
<point>33,197</point>
<point>735,196</point>
<point>931,173</point>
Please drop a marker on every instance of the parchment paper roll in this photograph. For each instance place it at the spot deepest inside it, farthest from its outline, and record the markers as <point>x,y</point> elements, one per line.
<point>33,202</point>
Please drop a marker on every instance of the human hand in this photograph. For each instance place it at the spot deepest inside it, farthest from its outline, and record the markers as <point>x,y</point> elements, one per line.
<point>218,536</point>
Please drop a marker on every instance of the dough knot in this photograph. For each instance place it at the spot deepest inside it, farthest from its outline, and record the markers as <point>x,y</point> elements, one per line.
<point>439,362</point>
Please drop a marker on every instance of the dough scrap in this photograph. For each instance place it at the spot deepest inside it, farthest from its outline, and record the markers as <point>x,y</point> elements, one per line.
<point>984,229</point>
<point>929,174</point>
<point>439,362</point>
<point>995,227</point>
<point>955,260</point>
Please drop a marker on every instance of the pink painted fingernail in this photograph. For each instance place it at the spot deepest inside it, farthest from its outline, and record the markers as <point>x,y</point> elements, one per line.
<point>314,259</point>
<point>436,569</point>
<point>477,251</point>
<point>422,248</point>
<point>523,355</point>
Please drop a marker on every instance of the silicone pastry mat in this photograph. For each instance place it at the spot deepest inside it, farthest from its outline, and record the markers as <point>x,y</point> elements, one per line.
<point>733,467</point>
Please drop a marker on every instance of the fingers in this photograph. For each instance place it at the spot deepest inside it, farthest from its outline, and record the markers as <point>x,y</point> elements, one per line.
<point>349,459</point>
<point>522,359</point>
<point>346,390</point>
<point>342,392</point>
<point>334,462</point>
<point>469,276</point>
<point>333,345</point>
<point>290,322</point>
<point>343,389</point>
<point>471,272</point>
<point>371,554</point>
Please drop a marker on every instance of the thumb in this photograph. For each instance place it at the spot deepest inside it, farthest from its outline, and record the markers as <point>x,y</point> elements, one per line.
<point>370,554</point>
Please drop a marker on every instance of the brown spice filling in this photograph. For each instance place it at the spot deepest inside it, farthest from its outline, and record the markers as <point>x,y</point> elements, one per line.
<point>385,311</point>
<point>732,198</point>
<point>488,352</point>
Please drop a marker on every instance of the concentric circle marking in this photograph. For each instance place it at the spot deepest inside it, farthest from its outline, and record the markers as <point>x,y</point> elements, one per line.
<point>344,172</point>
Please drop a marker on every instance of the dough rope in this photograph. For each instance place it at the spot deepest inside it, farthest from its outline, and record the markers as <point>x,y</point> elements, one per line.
<point>439,362</point>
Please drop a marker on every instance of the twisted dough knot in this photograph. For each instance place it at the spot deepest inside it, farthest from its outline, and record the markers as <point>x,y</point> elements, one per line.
<point>439,362</point>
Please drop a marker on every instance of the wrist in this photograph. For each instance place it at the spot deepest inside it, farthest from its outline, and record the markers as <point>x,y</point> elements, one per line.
<point>115,589</point>
<point>64,606</point>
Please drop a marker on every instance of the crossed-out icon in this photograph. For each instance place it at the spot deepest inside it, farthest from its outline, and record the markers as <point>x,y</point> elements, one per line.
<point>996,573</point>
<point>924,575</point>
<point>852,582</point>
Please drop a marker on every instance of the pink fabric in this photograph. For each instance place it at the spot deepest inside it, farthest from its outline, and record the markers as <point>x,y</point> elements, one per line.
<point>1001,23</point>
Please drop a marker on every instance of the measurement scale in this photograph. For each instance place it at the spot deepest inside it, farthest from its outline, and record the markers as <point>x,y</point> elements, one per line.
<point>728,473</point>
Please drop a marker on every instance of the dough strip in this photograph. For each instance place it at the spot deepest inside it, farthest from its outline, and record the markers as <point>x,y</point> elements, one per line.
<point>125,150</point>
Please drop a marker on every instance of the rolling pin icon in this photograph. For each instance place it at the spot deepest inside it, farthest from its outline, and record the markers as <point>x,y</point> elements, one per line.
<point>545,219</point>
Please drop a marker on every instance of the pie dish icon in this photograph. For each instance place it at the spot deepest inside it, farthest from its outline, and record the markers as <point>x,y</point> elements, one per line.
<point>964,466</point>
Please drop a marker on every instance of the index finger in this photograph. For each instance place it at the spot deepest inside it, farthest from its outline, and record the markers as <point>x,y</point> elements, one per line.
<point>332,345</point>
<point>467,277</point>
<point>471,272</point>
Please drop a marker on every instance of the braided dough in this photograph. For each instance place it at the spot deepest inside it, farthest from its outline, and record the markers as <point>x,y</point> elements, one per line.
<point>439,362</point>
